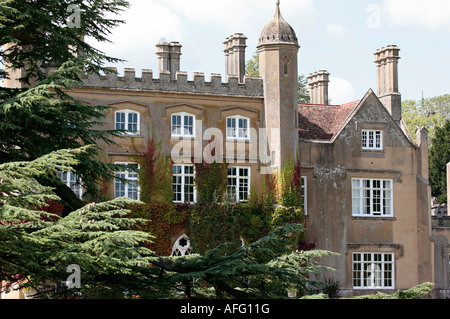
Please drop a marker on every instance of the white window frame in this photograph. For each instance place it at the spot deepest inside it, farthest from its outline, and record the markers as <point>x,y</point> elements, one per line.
<point>183,176</point>
<point>183,126</point>
<point>126,124</point>
<point>372,140</point>
<point>371,200</point>
<point>127,188</point>
<point>373,270</point>
<point>178,250</point>
<point>240,179</point>
<point>73,181</point>
<point>238,133</point>
<point>305,194</point>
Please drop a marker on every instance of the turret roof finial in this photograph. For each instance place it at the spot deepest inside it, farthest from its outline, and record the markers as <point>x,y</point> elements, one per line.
<point>278,13</point>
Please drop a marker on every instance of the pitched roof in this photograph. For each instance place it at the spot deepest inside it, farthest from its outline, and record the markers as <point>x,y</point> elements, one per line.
<point>322,122</point>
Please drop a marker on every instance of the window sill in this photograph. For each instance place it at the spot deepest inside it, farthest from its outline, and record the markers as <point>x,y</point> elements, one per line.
<point>373,217</point>
<point>131,135</point>
<point>178,138</point>
<point>232,140</point>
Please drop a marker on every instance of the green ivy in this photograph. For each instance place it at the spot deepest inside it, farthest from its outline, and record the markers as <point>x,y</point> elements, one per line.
<point>155,174</point>
<point>164,220</point>
<point>212,224</point>
<point>210,181</point>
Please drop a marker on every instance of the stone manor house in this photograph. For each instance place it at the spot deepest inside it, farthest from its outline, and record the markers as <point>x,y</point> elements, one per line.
<point>365,178</point>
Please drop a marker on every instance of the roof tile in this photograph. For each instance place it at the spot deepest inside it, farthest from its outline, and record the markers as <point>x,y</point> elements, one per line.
<point>322,122</point>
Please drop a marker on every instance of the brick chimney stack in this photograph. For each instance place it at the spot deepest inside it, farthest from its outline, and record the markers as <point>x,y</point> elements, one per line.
<point>318,84</point>
<point>386,60</point>
<point>235,56</point>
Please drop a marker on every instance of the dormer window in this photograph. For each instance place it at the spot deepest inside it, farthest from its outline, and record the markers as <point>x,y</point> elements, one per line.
<point>238,128</point>
<point>372,140</point>
<point>183,125</point>
<point>128,120</point>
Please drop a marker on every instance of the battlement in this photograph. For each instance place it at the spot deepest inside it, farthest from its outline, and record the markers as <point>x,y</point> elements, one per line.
<point>251,86</point>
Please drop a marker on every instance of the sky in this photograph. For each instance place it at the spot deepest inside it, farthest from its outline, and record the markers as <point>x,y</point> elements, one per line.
<point>339,36</point>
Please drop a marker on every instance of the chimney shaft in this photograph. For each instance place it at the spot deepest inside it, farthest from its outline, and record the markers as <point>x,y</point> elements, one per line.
<point>235,56</point>
<point>386,60</point>
<point>169,56</point>
<point>318,84</point>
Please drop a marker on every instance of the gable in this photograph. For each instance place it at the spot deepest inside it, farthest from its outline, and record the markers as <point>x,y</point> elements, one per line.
<point>371,114</point>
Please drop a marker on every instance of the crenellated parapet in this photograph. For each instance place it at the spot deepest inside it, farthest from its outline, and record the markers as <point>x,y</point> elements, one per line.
<point>251,86</point>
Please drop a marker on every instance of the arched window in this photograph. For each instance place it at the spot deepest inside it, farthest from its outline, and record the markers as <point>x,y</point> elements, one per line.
<point>182,246</point>
<point>128,120</point>
<point>238,128</point>
<point>183,125</point>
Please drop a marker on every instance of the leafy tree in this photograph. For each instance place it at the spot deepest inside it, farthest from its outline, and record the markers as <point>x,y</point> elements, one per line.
<point>416,292</point>
<point>43,117</point>
<point>252,69</point>
<point>303,90</point>
<point>44,34</point>
<point>263,269</point>
<point>439,157</point>
<point>430,113</point>
<point>252,66</point>
<point>37,247</point>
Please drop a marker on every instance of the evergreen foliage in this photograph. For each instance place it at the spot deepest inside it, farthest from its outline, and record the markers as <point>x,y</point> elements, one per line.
<point>52,56</point>
<point>263,269</point>
<point>37,247</point>
<point>47,33</point>
<point>439,157</point>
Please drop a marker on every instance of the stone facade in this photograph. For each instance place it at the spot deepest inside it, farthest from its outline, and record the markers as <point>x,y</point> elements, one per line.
<point>366,187</point>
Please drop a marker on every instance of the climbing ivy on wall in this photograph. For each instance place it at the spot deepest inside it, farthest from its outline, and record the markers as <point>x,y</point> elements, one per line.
<point>213,219</point>
<point>155,174</point>
<point>164,220</point>
<point>210,181</point>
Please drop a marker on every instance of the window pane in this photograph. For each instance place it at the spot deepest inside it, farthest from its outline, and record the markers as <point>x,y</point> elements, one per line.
<point>183,183</point>
<point>120,121</point>
<point>231,127</point>
<point>176,125</point>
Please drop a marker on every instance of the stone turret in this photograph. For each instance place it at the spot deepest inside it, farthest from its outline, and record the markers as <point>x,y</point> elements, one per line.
<point>278,49</point>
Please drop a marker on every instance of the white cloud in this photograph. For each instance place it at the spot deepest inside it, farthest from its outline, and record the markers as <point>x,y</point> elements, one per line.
<point>335,29</point>
<point>340,91</point>
<point>146,22</point>
<point>431,15</point>
<point>200,26</point>
<point>235,14</point>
